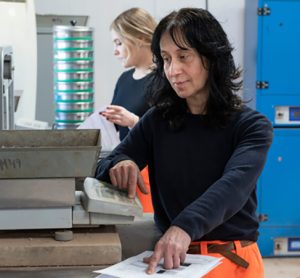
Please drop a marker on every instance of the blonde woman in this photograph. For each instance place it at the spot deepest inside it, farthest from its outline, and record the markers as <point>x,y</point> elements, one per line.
<point>131,33</point>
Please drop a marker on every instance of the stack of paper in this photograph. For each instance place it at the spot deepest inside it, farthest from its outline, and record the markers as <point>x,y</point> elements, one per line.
<point>195,266</point>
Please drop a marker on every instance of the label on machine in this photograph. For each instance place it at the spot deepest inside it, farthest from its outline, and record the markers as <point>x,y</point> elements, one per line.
<point>287,246</point>
<point>287,115</point>
<point>294,244</point>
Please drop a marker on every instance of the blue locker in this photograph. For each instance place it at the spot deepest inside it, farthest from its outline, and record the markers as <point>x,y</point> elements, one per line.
<point>272,86</point>
<point>279,191</point>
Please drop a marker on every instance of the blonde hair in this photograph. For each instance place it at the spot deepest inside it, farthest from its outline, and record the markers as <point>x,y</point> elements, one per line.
<point>134,25</point>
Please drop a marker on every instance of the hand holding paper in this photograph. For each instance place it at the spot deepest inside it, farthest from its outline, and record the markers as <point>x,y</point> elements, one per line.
<point>109,135</point>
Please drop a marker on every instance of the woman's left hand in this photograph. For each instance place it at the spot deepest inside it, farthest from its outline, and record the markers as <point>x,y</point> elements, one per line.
<point>171,247</point>
<point>120,116</point>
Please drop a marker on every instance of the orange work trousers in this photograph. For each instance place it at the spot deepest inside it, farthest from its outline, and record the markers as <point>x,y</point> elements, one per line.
<point>227,268</point>
<point>145,199</point>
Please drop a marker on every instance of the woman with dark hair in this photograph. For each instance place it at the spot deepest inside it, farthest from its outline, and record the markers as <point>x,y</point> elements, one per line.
<point>214,49</point>
<point>204,148</point>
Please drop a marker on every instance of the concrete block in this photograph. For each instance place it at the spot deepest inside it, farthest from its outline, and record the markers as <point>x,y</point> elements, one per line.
<point>97,246</point>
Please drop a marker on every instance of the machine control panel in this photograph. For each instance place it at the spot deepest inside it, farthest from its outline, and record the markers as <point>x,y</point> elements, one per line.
<point>287,115</point>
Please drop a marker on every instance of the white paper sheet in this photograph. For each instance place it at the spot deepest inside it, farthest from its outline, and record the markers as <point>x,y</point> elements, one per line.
<point>109,135</point>
<point>195,266</point>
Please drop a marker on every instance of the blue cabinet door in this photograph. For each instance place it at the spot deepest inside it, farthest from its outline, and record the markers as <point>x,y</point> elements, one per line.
<point>279,184</point>
<point>279,47</point>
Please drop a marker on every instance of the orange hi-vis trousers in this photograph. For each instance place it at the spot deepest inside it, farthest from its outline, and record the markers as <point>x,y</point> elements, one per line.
<point>246,263</point>
<point>145,199</point>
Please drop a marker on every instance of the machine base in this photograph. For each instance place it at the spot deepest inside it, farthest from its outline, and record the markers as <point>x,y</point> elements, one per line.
<point>93,246</point>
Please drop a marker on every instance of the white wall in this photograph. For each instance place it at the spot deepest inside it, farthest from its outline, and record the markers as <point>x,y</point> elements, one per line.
<point>101,13</point>
<point>230,14</point>
<point>162,8</point>
<point>18,29</point>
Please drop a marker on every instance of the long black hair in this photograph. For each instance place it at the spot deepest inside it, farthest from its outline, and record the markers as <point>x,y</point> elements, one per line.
<point>197,29</point>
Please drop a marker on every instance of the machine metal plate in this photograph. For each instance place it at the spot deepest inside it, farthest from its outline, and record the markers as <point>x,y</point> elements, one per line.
<point>49,153</point>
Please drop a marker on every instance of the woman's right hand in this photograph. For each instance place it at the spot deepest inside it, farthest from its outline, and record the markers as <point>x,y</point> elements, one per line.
<point>120,116</point>
<point>126,175</point>
<point>171,247</point>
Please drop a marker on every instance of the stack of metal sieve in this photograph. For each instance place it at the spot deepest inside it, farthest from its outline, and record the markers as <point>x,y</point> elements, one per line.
<point>73,75</point>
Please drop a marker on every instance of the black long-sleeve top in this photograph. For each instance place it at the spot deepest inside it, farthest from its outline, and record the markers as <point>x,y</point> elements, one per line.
<point>131,94</point>
<point>203,179</point>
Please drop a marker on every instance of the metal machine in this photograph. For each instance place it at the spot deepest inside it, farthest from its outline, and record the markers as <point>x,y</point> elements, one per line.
<point>7,107</point>
<point>73,75</point>
<point>37,182</point>
<point>46,189</point>
<point>48,197</point>
<point>272,86</point>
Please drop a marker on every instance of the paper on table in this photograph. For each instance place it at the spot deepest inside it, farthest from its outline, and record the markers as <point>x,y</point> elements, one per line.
<point>109,135</point>
<point>195,266</point>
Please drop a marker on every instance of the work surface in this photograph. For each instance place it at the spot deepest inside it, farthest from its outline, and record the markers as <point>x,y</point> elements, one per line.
<point>136,238</point>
